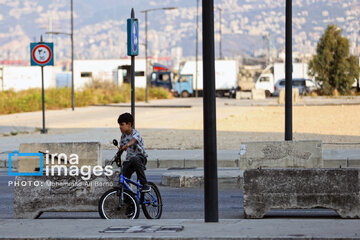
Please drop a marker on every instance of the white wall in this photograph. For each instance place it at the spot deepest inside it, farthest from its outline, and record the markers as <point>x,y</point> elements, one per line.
<point>25,77</point>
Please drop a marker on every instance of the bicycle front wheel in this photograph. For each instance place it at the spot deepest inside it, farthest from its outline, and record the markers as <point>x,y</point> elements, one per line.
<point>151,202</point>
<point>110,207</point>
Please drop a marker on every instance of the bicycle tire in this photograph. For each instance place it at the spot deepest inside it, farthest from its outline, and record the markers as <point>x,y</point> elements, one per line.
<point>108,205</point>
<point>151,202</point>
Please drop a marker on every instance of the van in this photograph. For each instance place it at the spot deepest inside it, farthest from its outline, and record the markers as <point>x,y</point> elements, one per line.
<point>304,86</point>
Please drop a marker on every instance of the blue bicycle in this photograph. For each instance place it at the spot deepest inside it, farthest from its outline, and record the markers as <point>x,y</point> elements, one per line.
<point>122,202</point>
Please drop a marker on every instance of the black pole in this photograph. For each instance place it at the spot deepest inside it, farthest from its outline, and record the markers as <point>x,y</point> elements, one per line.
<point>209,101</point>
<point>72,59</point>
<point>197,49</point>
<point>43,130</point>
<point>288,72</point>
<point>133,79</point>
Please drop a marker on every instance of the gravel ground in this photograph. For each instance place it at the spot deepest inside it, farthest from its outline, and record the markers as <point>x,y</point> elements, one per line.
<point>181,128</point>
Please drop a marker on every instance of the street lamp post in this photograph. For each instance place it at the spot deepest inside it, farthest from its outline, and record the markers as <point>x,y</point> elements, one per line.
<point>72,54</point>
<point>72,59</point>
<point>220,32</point>
<point>146,48</point>
<point>197,48</point>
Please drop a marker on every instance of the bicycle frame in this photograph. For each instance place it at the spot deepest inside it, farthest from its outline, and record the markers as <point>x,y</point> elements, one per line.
<point>124,182</point>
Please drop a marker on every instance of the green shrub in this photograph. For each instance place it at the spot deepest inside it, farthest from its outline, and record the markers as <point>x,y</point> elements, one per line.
<point>96,92</point>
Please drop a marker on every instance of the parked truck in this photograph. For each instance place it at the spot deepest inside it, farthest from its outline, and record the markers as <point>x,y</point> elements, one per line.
<point>275,72</point>
<point>185,84</point>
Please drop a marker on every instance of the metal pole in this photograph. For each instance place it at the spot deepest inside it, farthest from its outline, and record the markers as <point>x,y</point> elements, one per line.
<point>146,61</point>
<point>209,102</point>
<point>288,72</point>
<point>220,47</point>
<point>43,130</point>
<point>197,48</point>
<point>133,79</point>
<point>72,59</point>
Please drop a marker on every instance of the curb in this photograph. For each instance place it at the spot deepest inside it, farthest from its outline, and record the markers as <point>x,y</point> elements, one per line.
<point>189,229</point>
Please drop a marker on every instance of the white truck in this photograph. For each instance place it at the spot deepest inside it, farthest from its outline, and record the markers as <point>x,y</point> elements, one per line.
<point>276,72</point>
<point>226,72</point>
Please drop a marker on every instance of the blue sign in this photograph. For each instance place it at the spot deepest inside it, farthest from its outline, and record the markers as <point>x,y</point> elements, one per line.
<point>41,54</point>
<point>132,37</point>
<point>16,153</point>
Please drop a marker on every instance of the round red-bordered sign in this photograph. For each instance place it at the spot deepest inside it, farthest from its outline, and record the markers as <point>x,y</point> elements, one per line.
<point>41,54</point>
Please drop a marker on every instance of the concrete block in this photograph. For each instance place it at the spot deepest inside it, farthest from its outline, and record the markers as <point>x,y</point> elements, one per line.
<point>257,94</point>
<point>337,189</point>
<point>34,195</point>
<point>243,95</point>
<point>89,153</point>
<point>170,163</point>
<point>195,179</point>
<point>295,96</point>
<point>281,154</point>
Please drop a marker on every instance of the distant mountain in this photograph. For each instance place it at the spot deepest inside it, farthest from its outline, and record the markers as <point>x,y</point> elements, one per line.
<point>248,26</point>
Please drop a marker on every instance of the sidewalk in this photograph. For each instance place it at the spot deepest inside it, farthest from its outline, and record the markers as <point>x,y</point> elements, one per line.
<point>226,158</point>
<point>191,229</point>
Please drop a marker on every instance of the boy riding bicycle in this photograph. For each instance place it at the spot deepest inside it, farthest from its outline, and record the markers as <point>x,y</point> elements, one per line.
<point>136,157</point>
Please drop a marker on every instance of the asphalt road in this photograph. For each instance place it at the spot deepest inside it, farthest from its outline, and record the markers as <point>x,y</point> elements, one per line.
<point>179,203</point>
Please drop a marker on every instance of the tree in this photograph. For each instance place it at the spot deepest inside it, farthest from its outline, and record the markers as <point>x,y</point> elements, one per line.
<point>332,65</point>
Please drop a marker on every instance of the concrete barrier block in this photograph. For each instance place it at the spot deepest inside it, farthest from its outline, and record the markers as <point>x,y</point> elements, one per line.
<point>34,195</point>
<point>89,153</point>
<point>257,94</point>
<point>170,164</point>
<point>337,189</point>
<point>295,96</point>
<point>195,179</point>
<point>243,95</point>
<point>281,154</point>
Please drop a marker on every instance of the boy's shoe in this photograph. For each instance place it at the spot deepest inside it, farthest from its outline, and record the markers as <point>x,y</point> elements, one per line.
<point>145,188</point>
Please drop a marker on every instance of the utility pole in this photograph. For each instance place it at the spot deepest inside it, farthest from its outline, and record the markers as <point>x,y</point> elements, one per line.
<point>146,47</point>
<point>72,59</point>
<point>220,32</point>
<point>209,114</point>
<point>288,72</point>
<point>197,49</point>
<point>146,60</point>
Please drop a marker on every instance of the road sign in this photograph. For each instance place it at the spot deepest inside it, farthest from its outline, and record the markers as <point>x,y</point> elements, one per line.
<point>41,54</point>
<point>133,37</point>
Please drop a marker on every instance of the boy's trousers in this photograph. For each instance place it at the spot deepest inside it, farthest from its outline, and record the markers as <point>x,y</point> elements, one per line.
<point>135,164</point>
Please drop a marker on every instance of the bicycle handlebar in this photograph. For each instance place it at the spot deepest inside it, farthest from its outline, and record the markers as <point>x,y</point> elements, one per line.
<point>117,158</point>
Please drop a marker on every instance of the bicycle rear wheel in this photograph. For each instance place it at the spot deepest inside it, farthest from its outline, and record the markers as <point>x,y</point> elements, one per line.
<point>109,205</point>
<point>151,202</point>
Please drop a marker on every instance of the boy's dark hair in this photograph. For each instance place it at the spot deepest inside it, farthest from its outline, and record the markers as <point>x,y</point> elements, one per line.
<point>126,118</point>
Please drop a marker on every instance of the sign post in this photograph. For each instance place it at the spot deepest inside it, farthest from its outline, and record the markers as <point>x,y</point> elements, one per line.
<point>41,54</point>
<point>132,50</point>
